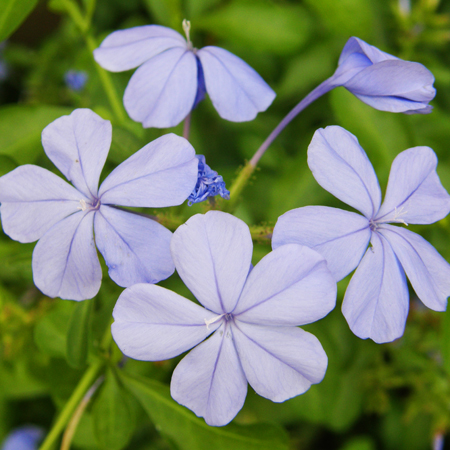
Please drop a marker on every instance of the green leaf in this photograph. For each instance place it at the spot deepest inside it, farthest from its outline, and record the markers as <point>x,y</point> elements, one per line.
<point>195,8</point>
<point>113,415</point>
<point>78,334</point>
<point>50,333</point>
<point>188,432</point>
<point>445,339</point>
<point>21,127</point>
<point>307,70</point>
<point>346,17</point>
<point>360,443</point>
<point>261,26</point>
<point>12,14</point>
<point>338,400</point>
<point>166,13</point>
<point>124,144</point>
<point>18,381</point>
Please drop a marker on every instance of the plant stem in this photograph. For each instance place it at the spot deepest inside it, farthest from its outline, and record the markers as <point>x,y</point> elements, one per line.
<point>74,12</point>
<point>261,233</point>
<point>73,404</point>
<point>238,186</point>
<point>323,88</point>
<point>187,126</point>
<point>244,175</point>
<point>85,383</point>
<point>72,426</point>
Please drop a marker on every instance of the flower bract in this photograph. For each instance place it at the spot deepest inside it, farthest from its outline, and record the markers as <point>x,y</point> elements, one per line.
<point>252,316</point>
<point>376,302</point>
<point>37,204</point>
<point>173,77</point>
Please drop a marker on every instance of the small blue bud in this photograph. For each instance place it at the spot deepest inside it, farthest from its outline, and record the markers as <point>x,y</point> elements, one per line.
<point>209,184</point>
<point>26,437</point>
<point>75,79</point>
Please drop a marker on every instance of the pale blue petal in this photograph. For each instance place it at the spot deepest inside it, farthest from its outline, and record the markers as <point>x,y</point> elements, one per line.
<point>341,166</point>
<point>414,193</point>
<point>65,262</point>
<point>290,286</point>
<point>26,437</point>
<point>394,78</point>
<point>212,255</point>
<point>33,200</point>
<point>136,249</point>
<point>376,302</point>
<point>210,380</point>
<point>356,45</point>
<point>384,81</point>
<point>162,91</point>
<point>340,236</point>
<point>394,104</point>
<point>152,323</point>
<point>127,49</point>
<point>426,269</point>
<point>236,90</point>
<point>279,362</point>
<point>78,146</point>
<point>163,173</point>
<point>356,56</point>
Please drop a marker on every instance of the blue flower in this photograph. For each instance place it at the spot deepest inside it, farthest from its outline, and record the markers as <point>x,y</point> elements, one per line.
<point>173,77</point>
<point>383,81</point>
<point>75,79</point>
<point>4,67</point>
<point>251,314</point>
<point>26,437</point>
<point>376,302</point>
<point>209,184</point>
<point>37,204</point>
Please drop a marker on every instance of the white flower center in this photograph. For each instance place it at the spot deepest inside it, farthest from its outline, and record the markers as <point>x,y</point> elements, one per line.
<point>208,322</point>
<point>83,206</point>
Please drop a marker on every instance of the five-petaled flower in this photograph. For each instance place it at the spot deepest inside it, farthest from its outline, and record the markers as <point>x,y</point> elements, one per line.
<point>173,77</point>
<point>37,204</point>
<point>253,313</point>
<point>376,302</point>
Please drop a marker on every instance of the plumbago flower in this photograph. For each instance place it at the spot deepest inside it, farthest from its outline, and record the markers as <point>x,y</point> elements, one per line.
<point>173,77</point>
<point>37,204</point>
<point>253,313</point>
<point>383,81</point>
<point>376,302</point>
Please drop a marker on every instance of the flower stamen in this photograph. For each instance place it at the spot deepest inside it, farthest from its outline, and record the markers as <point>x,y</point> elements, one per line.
<point>187,28</point>
<point>208,322</point>
<point>83,206</point>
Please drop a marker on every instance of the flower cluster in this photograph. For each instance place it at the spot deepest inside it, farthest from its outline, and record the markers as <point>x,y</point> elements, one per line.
<point>245,329</point>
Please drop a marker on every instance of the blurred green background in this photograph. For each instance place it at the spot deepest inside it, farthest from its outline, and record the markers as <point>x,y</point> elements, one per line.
<point>392,396</point>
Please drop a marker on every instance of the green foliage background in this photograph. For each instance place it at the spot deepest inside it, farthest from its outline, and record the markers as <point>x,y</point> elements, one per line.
<point>391,396</point>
